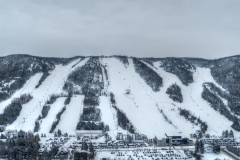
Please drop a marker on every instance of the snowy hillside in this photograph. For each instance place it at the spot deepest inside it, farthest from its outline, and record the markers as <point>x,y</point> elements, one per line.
<point>119,94</point>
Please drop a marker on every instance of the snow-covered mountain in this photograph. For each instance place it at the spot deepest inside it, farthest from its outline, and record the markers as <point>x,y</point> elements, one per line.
<point>147,96</point>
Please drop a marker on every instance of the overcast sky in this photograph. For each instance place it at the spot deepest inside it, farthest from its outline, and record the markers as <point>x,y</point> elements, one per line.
<point>142,28</point>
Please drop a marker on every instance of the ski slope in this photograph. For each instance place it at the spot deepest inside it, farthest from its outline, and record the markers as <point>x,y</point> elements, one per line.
<point>55,108</point>
<point>53,84</point>
<point>109,117</point>
<point>28,87</point>
<point>141,105</point>
<point>71,116</point>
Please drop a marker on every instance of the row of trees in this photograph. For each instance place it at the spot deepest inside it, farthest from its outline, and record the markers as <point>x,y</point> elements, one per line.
<point>188,116</point>
<point>45,110</point>
<point>217,104</point>
<point>123,121</point>
<point>234,149</point>
<point>44,76</point>
<point>149,76</point>
<point>226,134</point>
<point>12,111</point>
<point>58,117</point>
<point>90,125</point>
<point>233,101</point>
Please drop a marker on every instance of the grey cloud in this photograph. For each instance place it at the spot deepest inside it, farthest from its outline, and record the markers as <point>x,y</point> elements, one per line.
<point>157,28</point>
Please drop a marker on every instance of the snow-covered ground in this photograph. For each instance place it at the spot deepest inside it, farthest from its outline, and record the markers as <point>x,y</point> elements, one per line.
<point>70,117</point>
<point>55,108</point>
<point>109,117</point>
<point>53,84</point>
<point>28,87</point>
<point>140,106</point>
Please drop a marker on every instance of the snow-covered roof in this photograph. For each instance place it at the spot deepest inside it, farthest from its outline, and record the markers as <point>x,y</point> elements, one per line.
<point>89,131</point>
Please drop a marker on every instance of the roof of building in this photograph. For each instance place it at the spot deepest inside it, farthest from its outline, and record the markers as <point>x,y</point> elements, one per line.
<point>89,131</point>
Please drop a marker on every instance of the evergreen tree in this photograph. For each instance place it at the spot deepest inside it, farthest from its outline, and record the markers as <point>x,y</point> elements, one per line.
<point>84,146</point>
<point>226,133</point>
<point>200,135</point>
<point>223,134</point>
<point>201,147</point>
<point>231,135</point>
<point>91,149</point>
<point>59,133</point>
<point>197,146</point>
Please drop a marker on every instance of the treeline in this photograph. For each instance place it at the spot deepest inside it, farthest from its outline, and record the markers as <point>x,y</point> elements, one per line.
<point>12,111</point>
<point>123,121</point>
<point>226,134</point>
<point>91,101</point>
<point>45,110</point>
<point>191,118</point>
<point>23,99</point>
<point>19,68</point>
<point>232,100</point>
<point>182,69</point>
<point>123,59</point>
<point>90,125</point>
<point>149,76</point>
<point>88,77</point>
<point>87,152</point>
<point>226,72</point>
<point>58,117</point>
<point>91,114</point>
<point>23,146</point>
<point>3,96</point>
<point>234,149</point>
<point>175,94</point>
<point>44,76</point>
<point>90,118</point>
<point>217,104</point>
